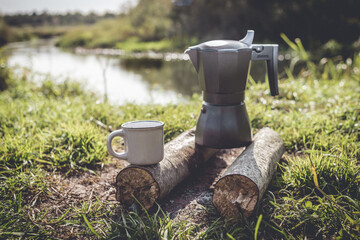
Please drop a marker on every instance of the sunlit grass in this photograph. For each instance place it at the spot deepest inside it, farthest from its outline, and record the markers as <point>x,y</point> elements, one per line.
<point>53,124</point>
<point>51,128</point>
<point>133,45</point>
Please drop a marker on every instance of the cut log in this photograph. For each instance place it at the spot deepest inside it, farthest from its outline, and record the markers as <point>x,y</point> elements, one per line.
<point>243,184</point>
<point>148,184</point>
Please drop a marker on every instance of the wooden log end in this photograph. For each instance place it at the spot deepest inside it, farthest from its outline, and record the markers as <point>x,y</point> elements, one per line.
<point>135,183</point>
<point>235,195</point>
<point>148,184</point>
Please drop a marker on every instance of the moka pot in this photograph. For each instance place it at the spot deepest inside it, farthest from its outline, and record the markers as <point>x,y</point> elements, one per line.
<point>223,67</point>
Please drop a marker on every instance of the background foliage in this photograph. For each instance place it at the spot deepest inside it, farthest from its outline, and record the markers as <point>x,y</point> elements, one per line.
<point>326,27</point>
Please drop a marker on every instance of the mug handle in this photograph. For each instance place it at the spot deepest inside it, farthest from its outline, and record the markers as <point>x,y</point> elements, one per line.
<point>116,133</point>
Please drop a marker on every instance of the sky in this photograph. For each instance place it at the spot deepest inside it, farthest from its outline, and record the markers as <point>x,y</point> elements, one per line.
<point>62,6</point>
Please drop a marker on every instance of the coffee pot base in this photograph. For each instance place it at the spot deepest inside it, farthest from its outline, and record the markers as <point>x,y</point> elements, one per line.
<point>223,126</point>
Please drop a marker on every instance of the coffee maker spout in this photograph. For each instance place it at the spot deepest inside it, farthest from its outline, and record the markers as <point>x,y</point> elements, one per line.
<point>193,57</point>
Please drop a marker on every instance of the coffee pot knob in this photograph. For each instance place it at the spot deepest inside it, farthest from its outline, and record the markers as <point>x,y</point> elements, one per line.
<point>248,39</point>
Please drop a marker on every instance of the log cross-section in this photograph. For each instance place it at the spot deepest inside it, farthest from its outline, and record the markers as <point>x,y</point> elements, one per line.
<point>243,184</point>
<point>148,184</point>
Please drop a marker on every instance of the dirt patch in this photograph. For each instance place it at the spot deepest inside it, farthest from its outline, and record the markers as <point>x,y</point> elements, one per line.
<point>72,193</point>
<point>191,200</point>
<point>100,184</point>
<point>197,189</point>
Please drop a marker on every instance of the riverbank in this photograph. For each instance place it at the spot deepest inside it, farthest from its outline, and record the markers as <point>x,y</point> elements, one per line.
<point>120,77</point>
<point>11,34</point>
<point>166,56</point>
<point>51,133</point>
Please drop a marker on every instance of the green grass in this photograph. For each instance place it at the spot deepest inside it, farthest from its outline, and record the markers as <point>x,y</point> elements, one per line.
<point>115,33</point>
<point>49,129</point>
<point>53,124</point>
<point>149,26</point>
<point>133,45</point>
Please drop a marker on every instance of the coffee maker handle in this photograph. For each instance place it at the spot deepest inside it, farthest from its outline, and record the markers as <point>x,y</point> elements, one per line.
<point>268,52</point>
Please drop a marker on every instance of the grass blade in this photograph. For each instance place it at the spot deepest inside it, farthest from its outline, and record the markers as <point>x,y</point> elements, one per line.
<point>289,42</point>
<point>316,182</point>
<point>257,226</point>
<point>90,227</point>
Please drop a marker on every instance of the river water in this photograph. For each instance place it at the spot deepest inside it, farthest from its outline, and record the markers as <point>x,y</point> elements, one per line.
<point>119,79</point>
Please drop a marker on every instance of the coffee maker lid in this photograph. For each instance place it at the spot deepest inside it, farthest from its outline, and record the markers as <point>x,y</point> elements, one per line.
<point>226,45</point>
<point>221,45</point>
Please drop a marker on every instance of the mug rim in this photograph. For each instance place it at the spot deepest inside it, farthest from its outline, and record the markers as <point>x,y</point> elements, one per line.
<point>160,124</point>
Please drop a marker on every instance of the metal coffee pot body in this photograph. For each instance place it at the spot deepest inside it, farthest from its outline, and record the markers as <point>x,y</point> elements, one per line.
<point>223,67</point>
<point>223,75</point>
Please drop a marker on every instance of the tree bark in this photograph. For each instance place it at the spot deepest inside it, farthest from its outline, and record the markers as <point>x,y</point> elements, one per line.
<point>243,184</point>
<point>148,184</point>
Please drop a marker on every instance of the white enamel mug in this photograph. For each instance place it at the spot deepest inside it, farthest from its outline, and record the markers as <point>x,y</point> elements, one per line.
<point>144,142</point>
